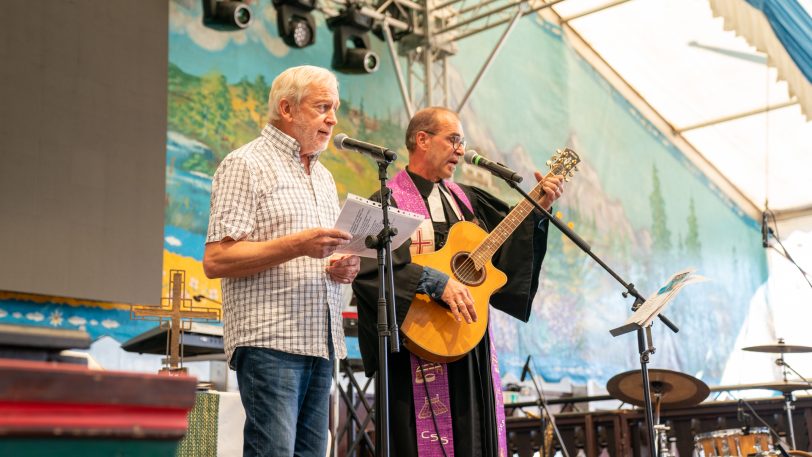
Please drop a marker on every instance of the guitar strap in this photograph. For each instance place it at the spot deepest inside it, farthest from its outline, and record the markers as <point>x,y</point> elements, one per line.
<point>430,389</point>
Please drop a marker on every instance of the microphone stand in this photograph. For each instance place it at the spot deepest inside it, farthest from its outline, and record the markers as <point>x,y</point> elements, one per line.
<point>788,395</point>
<point>542,403</point>
<point>387,323</point>
<point>645,345</point>
<point>783,363</point>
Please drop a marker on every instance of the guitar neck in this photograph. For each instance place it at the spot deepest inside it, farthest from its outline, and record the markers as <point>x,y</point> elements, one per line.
<point>485,251</point>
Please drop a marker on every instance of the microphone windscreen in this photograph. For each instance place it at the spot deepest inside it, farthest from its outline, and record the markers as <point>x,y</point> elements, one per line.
<point>338,140</point>
<point>469,156</point>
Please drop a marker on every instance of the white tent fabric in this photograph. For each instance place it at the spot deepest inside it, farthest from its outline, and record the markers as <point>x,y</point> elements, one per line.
<point>750,23</point>
<point>782,308</point>
<point>711,88</point>
<point>678,58</point>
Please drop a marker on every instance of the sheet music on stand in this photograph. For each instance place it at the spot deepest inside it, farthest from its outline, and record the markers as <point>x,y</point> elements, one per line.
<point>655,304</point>
<point>363,217</point>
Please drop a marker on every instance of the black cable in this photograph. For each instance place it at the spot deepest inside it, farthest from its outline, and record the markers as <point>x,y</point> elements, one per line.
<point>431,408</point>
<point>777,436</point>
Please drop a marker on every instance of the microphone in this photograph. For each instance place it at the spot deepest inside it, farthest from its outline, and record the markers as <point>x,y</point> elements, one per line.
<point>526,368</point>
<point>496,169</point>
<point>744,417</point>
<point>512,387</point>
<point>740,412</point>
<point>765,229</point>
<point>379,153</point>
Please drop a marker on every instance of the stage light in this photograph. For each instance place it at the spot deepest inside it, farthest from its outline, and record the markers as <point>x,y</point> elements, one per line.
<point>352,52</point>
<point>295,24</point>
<point>226,14</point>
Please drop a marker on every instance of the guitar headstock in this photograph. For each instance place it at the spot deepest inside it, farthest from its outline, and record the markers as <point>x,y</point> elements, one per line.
<point>564,163</point>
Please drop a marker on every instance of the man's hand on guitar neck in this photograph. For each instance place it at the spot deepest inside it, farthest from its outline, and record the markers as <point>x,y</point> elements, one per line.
<point>459,301</point>
<point>553,187</point>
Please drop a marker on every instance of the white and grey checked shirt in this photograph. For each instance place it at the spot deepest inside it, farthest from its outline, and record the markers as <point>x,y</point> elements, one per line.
<point>261,192</point>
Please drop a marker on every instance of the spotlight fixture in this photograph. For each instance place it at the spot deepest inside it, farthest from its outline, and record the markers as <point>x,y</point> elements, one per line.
<point>226,14</point>
<point>352,52</point>
<point>295,24</point>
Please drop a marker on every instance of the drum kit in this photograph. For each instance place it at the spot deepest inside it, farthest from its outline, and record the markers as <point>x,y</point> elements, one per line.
<point>670,389</point>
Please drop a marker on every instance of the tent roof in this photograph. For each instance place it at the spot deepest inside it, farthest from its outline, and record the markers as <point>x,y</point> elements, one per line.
<point>677,59</point>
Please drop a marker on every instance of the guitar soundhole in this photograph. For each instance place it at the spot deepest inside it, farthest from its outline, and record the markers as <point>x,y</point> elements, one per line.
<point>465,270</point>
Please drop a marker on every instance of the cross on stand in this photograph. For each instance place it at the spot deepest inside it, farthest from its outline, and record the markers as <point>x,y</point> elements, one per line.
<point>180,312</point>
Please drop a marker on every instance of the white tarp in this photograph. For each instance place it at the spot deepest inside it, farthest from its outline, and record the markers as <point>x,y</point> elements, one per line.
<point>683,62</point>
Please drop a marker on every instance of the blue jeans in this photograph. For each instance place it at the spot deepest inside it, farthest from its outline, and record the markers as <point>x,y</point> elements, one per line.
<point>286,402</point>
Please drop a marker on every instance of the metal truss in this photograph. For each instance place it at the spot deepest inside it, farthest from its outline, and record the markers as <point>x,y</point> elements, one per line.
<point>425,33</point>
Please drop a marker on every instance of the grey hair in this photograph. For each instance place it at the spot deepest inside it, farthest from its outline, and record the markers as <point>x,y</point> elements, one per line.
<point>423,121</point>
<point>293,84</point>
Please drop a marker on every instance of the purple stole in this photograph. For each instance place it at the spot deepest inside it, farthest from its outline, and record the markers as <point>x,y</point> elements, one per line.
<point>430,376</point>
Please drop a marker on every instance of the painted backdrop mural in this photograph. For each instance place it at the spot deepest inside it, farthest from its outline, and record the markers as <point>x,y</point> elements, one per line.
<point>639,203</point>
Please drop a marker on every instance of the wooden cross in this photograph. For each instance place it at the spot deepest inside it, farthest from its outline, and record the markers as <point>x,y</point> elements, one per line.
<point>179,307</point>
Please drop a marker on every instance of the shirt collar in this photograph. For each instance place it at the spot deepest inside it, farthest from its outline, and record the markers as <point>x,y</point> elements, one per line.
<point>285,143</point>
<point>424,186</point>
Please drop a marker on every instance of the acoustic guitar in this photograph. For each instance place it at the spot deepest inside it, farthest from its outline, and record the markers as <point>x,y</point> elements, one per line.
<point>430,330</point>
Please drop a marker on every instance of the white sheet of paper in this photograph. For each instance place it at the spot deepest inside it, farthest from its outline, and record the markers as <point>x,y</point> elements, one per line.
<point>363,217</point>
<point>656,303</point>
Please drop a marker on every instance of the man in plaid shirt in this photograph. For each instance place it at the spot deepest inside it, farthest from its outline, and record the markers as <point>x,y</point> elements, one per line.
<point>270,238</point>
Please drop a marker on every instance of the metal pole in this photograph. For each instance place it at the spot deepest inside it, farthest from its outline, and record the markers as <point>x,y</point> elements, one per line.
<point>488,62</point>
<point>498,23</point>
<point>595,10</point>
<point>733,117</point>
<point>398,72</point>
<point>789,408</point>
<point>645,350</point>
<point>478,17</point>
<point>448,3</point>
<point>428,60</point>
<point>445,82</point>
<point>478,5</point>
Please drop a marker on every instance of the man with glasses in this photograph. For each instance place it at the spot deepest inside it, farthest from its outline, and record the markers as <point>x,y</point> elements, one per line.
<point>425,396</point>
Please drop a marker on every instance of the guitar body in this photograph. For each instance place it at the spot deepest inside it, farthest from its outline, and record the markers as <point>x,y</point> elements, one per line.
<point>431,331</point>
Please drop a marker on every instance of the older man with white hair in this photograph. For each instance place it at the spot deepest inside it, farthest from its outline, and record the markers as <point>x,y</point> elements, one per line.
<point>270,239</point>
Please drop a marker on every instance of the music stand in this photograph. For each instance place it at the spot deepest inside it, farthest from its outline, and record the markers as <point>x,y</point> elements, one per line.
<point>566,168</point>
<point>645,347</point>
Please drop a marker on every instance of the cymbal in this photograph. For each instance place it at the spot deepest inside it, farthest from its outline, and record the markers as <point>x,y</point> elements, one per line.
<point>677,389</point>
<point>781,347</point>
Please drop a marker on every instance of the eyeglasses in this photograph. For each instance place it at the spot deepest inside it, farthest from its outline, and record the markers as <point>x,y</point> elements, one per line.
<point>456,141</point>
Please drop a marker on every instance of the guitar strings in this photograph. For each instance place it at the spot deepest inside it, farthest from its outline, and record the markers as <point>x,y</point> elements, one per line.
<point>468,271</point>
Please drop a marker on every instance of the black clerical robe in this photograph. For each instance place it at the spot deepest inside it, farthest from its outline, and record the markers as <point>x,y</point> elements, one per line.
<point>470,382</point>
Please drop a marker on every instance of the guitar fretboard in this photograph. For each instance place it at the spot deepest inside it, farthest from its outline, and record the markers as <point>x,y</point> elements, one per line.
<point>564,164</point>
<point>497,237</point>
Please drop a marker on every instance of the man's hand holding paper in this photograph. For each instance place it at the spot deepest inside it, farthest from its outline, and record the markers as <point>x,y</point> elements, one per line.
<point>362,218</point>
